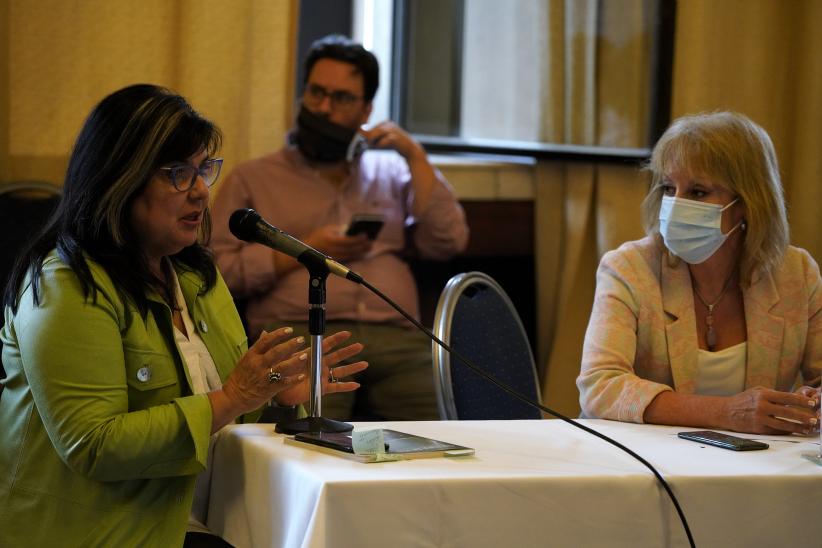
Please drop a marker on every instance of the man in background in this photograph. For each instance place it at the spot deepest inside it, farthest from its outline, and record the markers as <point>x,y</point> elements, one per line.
<point>312,188</point>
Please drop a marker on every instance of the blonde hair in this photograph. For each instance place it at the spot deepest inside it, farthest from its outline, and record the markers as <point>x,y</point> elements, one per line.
<point>730,149</point>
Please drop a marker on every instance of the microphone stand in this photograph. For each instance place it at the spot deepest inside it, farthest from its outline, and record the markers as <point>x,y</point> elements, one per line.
<point>318,273</point>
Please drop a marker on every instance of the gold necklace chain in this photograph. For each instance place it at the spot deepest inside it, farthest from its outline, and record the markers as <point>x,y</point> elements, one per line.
<point>710,333</point>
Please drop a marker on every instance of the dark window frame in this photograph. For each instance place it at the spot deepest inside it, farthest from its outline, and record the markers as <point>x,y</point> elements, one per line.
<point>314,22</point>
<point>660,109</point>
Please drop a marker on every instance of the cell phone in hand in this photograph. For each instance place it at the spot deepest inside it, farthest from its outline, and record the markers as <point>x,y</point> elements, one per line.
<point>724,441</point>
<point>364,223</point>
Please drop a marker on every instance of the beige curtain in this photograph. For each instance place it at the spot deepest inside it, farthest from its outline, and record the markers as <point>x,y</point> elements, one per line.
<point>566,71</point>
<point>582,211</point>
<point>598,95</point>
<point>232,60</point>
<point>762,58</point>
<point>758,57</point>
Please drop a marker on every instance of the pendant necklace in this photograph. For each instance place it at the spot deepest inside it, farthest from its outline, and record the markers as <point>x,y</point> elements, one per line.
<point>710,333</point>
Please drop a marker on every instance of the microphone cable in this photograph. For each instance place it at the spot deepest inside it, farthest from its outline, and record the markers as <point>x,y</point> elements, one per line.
<point>476,369</point>
<point>246,224</point>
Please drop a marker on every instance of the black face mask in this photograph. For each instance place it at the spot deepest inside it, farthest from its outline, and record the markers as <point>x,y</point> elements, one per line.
<point>321,140</point>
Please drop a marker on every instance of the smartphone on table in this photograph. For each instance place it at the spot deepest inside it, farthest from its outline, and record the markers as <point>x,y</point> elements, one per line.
<point>725,441</point>
<point>369,224</point>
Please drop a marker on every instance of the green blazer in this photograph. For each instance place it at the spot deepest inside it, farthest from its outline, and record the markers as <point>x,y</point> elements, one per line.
<point>101,437</point>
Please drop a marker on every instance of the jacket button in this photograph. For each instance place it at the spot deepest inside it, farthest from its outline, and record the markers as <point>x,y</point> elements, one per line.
<point>203,326</point>
<point>144,374</point>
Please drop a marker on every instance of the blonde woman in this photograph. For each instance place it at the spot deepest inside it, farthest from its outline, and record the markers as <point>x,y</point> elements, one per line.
<point>712,320</point>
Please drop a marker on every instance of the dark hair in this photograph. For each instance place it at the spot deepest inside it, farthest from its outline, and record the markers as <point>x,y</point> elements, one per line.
<point>125,139</point>
<point>342,48</point>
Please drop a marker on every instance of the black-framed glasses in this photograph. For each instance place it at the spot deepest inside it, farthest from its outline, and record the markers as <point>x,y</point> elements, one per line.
<point>184,176</point>
<point>315,94</point>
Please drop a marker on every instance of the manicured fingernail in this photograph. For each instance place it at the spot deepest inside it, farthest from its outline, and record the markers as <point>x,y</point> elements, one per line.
<point>812,403</point>
<point>301,377</point>
<point>288,331</point>
<point>813,420</point>
<point>300,340</point>
<point>303,356</point>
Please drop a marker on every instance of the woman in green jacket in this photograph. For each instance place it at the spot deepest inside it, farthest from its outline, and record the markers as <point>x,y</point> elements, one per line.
<point>123,349</point>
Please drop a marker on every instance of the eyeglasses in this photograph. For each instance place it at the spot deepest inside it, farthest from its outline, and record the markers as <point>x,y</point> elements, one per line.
<point>184,176</point>
<point>314,95</point>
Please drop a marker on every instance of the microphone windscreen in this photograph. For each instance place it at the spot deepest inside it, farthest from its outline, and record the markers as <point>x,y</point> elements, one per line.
<point>243,224</point>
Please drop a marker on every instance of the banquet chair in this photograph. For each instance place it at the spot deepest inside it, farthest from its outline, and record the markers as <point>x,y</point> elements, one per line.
<point>477,319</point>
<point>24,208</point>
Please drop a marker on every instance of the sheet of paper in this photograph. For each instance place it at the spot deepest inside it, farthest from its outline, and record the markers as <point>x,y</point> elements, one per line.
<point>368,442</point>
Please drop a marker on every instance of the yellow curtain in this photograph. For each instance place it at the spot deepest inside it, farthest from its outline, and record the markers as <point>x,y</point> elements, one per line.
<point>756,57</point>
<point>597,95</point>
<point>231,60</point>
<point>762,59</point>
<point>582,211</point>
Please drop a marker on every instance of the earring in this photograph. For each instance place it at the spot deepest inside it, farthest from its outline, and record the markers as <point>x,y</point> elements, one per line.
<point>744,226</point>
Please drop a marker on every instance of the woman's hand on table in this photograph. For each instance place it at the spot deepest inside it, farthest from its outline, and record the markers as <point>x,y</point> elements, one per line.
<point>765,411</point>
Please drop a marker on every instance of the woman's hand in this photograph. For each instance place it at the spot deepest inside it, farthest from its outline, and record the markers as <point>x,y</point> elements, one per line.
<point>272,365</point>
<point>300,392</point>
<point>765,411</point>
<point>809,392</point>
<point>814,394</point>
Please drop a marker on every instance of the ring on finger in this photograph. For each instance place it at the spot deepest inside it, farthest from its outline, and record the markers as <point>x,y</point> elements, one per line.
<point>274,376</point>
<point>331,377</point>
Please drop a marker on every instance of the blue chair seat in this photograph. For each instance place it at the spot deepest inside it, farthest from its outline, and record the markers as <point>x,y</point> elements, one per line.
<point>475,316</point>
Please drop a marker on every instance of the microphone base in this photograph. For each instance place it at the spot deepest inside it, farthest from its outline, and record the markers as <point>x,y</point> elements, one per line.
<point>312,424</point>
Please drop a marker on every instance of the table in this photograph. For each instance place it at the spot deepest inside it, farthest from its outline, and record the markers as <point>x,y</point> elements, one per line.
<point>531,483</point>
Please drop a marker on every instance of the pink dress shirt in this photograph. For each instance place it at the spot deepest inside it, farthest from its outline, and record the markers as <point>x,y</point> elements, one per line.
<point>290,195</point>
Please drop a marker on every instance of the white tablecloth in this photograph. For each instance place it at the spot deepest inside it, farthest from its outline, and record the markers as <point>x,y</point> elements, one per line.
<point>531,483</point>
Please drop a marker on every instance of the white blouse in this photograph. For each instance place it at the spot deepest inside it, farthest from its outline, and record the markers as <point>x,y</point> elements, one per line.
<point>204,378</point>
<point>722,373</point>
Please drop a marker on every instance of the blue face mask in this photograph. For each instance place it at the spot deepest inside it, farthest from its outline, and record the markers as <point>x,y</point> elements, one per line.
<point>692,230</point>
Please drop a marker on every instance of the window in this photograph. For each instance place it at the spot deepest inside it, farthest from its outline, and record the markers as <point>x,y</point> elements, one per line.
<point>527,76</point>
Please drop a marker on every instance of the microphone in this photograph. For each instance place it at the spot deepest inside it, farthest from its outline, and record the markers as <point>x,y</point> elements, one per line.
<point>247,225</point>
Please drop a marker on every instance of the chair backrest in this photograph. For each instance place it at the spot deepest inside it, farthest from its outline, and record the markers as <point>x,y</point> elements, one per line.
<point>24,208</point>
<point>476,318</point>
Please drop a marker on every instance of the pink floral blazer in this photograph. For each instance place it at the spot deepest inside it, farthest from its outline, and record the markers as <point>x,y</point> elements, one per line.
<point>642,340</point>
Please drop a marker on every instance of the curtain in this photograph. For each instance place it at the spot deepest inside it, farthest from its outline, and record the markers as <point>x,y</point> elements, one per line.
<point>582,211</point>
<point>597,95</point>
<point>759,58</point>
<point>762,59</point>
<point>567,72</point>
<point>231,60</point>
